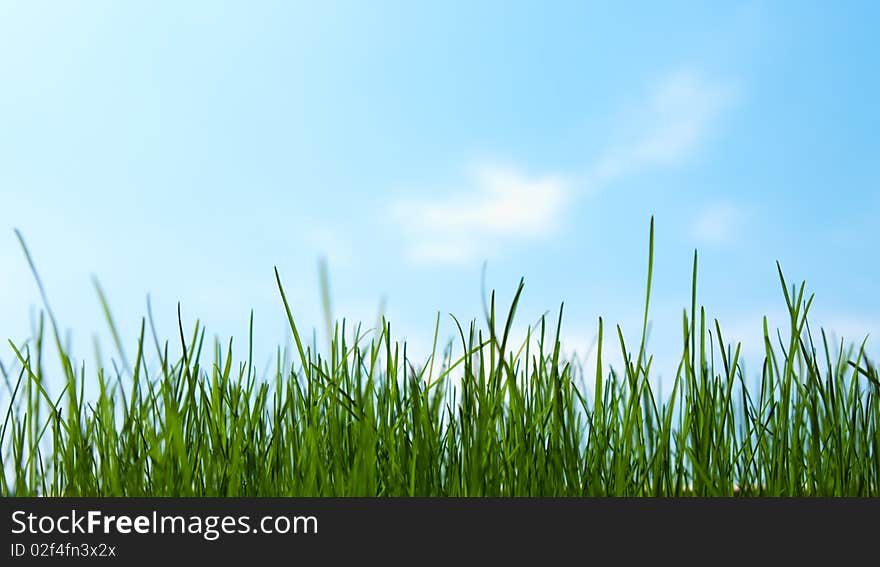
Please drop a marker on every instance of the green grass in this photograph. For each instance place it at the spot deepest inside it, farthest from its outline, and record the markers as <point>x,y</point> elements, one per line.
<point>483,416</point>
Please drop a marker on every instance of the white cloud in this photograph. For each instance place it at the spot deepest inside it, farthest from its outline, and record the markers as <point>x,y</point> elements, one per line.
<point>668,127</point>
<point>501,204</point>
<point>498,202</point>
<point>718,223</point>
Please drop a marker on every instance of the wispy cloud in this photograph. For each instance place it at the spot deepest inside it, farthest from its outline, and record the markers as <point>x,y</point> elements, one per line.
<point>501,204</point>
<point>496,202</point>
<point>668,127</point>
<point>719,223</point>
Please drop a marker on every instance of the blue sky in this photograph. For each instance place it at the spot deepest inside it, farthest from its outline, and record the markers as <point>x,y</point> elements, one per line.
<point>184,149</point>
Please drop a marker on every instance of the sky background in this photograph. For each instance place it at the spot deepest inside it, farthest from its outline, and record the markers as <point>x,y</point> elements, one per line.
<point>182,150</point>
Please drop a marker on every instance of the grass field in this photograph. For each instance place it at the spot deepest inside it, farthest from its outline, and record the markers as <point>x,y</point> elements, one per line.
<point>482,416</point>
